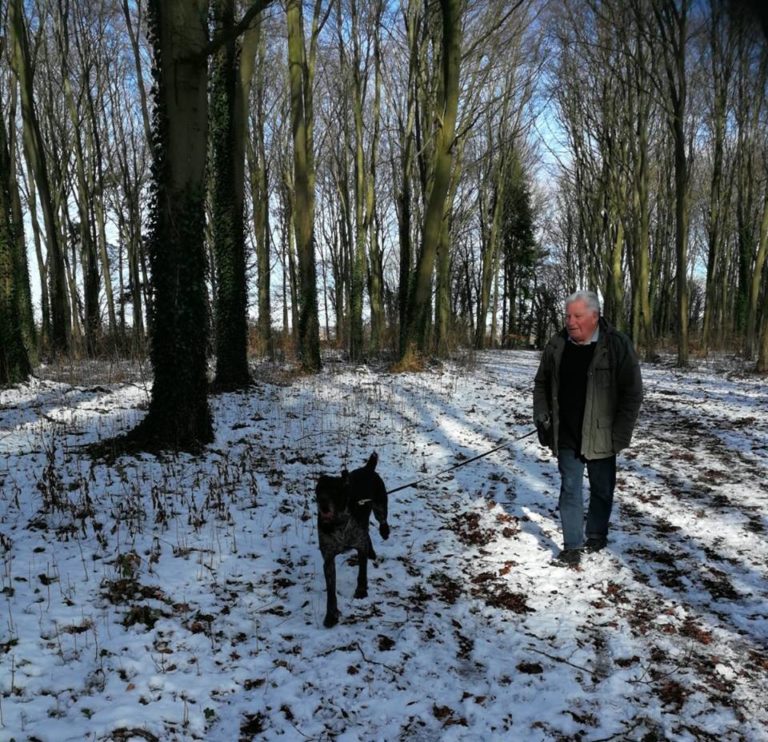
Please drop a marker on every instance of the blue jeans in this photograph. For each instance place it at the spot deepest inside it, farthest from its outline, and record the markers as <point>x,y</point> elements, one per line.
<point>602,480</point>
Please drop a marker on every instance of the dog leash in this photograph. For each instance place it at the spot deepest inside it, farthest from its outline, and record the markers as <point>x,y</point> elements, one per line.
<point>461,463</point>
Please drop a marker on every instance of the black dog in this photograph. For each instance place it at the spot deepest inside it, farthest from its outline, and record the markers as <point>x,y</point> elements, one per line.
<point>344,507</point>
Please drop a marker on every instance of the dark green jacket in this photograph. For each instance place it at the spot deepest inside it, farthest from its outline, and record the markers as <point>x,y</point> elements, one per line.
<point>614,392</point>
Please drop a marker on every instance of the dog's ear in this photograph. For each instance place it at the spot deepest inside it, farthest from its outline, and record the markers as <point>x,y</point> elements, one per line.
<point>372,461</point>
<point>344,476</point>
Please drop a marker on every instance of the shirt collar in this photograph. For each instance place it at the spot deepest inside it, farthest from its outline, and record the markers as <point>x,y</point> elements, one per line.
<point>595,336</point>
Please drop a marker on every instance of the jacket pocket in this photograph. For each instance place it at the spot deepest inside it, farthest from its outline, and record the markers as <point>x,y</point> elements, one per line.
<point>603,442</point>
<point>603,377</point>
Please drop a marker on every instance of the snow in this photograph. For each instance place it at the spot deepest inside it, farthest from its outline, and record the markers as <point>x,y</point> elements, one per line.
<point>182,598</point>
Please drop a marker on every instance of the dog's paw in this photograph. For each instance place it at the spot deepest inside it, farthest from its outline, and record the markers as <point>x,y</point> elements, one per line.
<point>331,619</point>
<point>384,531</point>
<point>361,592</point>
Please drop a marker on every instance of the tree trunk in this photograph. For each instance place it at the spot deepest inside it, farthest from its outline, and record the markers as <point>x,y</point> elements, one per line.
<point>99,210</point>
<point>405,192</point>
<point>416,343</point>
<point>86,197</point>
<point>14,360</point>
<point>444,258</point>
<point>178,417</point>
<point>721,56</point>
<point>616,274</point>
<point>488,257</point>
<point>83,198</point>
<point>358,263</point>
<point>254,42</point>
<point>753,308</point>
<point>673,26</point>
<point>376,262</point>
<point>35,150</point>
<point>42,268</point>
<point>443,284</point>
<point>227,122</point>
<point>141,88</point>
<point>642,186</point>
<point>24,292</point>
<point>762,356</point>
<point>681,234</point>
<point>303,211</point>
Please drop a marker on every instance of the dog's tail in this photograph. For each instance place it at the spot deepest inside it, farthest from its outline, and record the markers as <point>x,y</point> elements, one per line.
<point>372,461</point>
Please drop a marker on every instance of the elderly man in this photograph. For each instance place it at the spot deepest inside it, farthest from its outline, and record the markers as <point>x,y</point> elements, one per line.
<point>586,398</point>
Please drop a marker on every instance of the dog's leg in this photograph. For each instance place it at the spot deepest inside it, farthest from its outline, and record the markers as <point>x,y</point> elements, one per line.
<point>362,573</point>
<point>371,552</point>
<point>332,610</point>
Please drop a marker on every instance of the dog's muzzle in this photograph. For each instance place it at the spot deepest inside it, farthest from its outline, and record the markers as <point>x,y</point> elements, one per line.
<point>331,516</point>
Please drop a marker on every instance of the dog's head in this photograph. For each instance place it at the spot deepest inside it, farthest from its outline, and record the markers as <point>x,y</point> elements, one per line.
<point>332,495</point>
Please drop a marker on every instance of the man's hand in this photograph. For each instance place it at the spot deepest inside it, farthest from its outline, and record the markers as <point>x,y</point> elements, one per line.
<point>544,430</point>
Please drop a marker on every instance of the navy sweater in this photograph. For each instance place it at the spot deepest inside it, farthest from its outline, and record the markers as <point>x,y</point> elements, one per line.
<point>572,395</point>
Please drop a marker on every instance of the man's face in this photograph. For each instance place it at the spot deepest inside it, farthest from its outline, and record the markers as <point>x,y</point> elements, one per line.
<point>580,321</point>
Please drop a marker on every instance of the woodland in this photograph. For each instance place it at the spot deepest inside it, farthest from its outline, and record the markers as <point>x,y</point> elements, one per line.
<point>205,181</point>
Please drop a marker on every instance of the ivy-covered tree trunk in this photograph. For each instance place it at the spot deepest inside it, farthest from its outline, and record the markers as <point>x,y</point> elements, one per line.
<point>179,416</point>
<point>227,120</point>
<point>14,360</point>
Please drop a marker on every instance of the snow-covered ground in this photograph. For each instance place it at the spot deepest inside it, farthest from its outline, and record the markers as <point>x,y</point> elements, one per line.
<point>182,598</point>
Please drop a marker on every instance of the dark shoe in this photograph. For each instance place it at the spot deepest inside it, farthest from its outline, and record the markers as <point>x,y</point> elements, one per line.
<point>569,557</point>
<point>596,544</point>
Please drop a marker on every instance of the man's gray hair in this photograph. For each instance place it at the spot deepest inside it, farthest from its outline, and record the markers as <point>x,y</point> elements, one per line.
<point>590,298</point>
